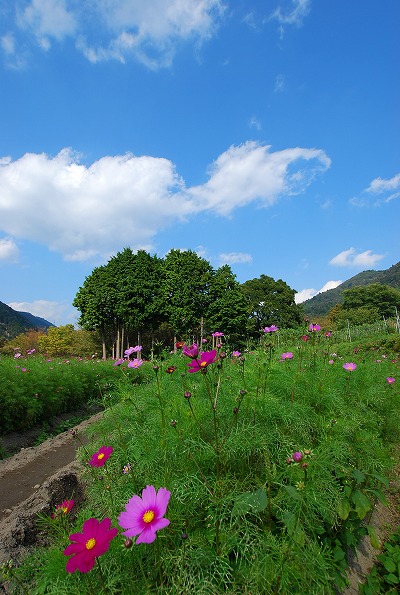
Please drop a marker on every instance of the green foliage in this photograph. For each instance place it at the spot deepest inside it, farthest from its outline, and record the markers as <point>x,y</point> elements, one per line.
<point>270,302</point>
<point>376,297</point>
<point>385,575</point>
<point>247,515</point>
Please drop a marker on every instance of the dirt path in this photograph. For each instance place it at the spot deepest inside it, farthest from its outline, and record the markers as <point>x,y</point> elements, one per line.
<point>23,474</point>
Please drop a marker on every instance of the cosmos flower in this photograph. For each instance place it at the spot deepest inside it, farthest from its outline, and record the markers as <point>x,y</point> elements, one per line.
<point>206,358</point>
<point>350,366</point>
<point>101,456</point>
<point>90,544</point>
<point>390,380</point>
<point>314,327</point>
<point>63,508</point>
<point>192,351</point>
<point>135,363</point>
<point>270,329</point>
<point>217,334</point>
<point>287,355</point>
<point>144,516</point>
<point>171,369</point>
<point>236,354</point>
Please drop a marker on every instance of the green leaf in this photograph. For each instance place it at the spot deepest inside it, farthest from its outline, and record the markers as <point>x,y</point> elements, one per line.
<point>344,508</point>
<point>392,579</point>
<point>294,528</point>
<point>358,476</point>
<point>384,480</point>
<point>389,565</point>
<point>361,503</point>
<point>373,537</point>
<point>250,502</point>
<point>293,493</point>
<point>380,495</point>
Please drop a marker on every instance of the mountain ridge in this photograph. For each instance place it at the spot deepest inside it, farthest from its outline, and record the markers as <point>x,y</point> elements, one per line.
<point>12,322</point>
<point>322,303</point>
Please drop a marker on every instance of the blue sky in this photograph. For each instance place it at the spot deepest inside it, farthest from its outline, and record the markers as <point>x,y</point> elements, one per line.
<point>261,134</point>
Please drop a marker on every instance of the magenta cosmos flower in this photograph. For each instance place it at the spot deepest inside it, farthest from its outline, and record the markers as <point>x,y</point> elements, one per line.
<point>350,366</point>
<point>314,327</point>
<point>390,380</point>
<point>217,334</point>
<point>144,516</point>
<point>206,358</point>
<point>270,329</point>
<point>101,456</point>
<point>192,351</point>
<point>90,544</point>
<point>287,355</point>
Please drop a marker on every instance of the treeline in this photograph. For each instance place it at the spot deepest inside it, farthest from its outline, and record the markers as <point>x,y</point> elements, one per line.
<point>137,298</point>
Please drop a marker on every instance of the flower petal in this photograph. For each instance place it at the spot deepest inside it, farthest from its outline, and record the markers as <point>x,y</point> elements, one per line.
<point>162,500</point>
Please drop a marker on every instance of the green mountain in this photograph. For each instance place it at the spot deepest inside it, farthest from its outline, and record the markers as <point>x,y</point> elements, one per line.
<point>322,303</point>
<point>12,323</point>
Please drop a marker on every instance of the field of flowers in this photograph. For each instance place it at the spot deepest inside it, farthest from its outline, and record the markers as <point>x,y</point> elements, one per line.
<point>229,472</point>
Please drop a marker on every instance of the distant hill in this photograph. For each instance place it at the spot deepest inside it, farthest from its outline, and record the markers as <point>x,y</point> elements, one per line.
<point>12,323</point>
<point>322,303</point>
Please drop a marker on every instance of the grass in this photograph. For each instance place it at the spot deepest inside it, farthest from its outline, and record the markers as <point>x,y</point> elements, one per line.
<point>246,516</point>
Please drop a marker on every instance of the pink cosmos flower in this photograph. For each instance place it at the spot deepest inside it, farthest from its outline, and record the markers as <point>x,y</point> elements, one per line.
<point>217,334</point>
<point>63,508</point>
<point>118,362</point>
<point>236,354</point>
<point>390,380</point>
<point>270,329</point>
<point>128,351</point>
<point>90,544</point>
<point>328,334</point>
<point>144,516</point>
<point>192,351</point>
<point>206,358</point>
<point>287,355</point>
<point>349,366</point>
<point>314,327</point>
<point>135,363</point>
<point>331,361</point>
<point>101,456</point>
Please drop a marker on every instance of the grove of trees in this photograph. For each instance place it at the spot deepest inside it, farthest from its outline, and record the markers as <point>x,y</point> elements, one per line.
<point>137,298</point>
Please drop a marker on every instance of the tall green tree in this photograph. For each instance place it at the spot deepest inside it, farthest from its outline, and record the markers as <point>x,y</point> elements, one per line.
<point>270,302</point>
<point>383,298</point>
<point>96,304</point>
<point>186,291</point>
<point>227,309</point>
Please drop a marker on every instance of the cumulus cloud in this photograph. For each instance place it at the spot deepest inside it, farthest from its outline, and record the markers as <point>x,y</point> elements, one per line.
<point>235,257</point>
<point>380,191</point>
<point>350,258</point>
<point>147,30</point>
<point>55,312</point>
<point>307,294</point>
<point>9,251</point>
<point>88,211</point>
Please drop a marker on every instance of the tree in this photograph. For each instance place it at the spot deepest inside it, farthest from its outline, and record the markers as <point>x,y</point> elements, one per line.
<point>270,302</point>
<point>185,290</point>
<point>383,298</point>
<point>227,310</point>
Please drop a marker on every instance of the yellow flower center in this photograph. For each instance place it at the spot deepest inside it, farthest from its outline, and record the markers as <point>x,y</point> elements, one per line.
<point>100,456</point>
<point>148,516</point>
<point>203,364</point>
<point>64,509</point>
<point>90,543</point>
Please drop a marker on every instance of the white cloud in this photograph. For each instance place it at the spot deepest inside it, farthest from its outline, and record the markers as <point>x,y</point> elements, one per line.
<point>235,257</point>
<point>307,294</point>
<point>147,30</point>
<point>255,123</point>
<point>383,191</point>
<point>9,251</point>
<point>294,14</point>
<point>350,258</point>
<point>55,312</point>
<point>249,172</point>
<point>48,19</point>
<point>87,211</point>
